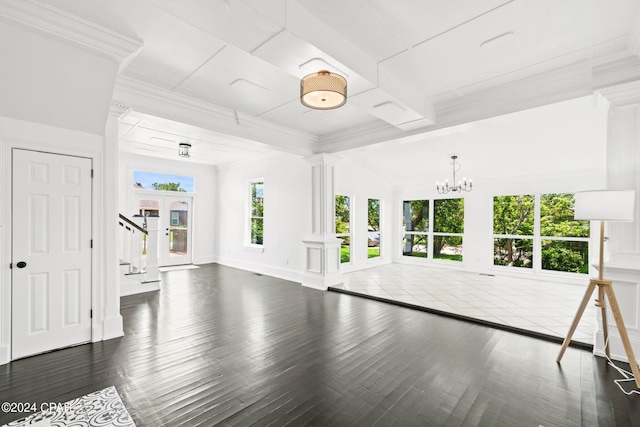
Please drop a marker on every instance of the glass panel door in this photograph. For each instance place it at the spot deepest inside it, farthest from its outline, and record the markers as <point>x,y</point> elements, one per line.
<point>174,239</point>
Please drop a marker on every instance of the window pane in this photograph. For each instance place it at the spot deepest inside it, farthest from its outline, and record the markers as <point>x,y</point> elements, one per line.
<point>257,199</point>
<point>415,245</point>
<point>373,228</point>
<point>513,252</point>
<point>513,215</point>
<point>342,214</point>
<point>256,231</point>
<point>345,250</point>
<point>560,255</point>
<point>556,217</point>
<point>162,182</point>
<point>415,215</point>
<point>447,247</point>
<point>448,215</point>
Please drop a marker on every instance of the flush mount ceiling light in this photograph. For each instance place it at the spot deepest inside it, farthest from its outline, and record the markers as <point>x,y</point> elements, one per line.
<point>323,90</point>
<point>183,149</point>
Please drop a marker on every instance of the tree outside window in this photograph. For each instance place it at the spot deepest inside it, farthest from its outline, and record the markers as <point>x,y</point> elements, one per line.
<point>373,228</point>
<point>257,212</point>
<point>513,218</point>
<point>562,242</point>
<point>448,229</point>
<point>343,226</point>
<point>415,214</point>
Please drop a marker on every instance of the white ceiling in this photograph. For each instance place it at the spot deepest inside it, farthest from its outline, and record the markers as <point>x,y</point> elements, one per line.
<point>412,65</point>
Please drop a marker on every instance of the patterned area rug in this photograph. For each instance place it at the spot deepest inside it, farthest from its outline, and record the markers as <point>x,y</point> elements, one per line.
<point>101,408</point>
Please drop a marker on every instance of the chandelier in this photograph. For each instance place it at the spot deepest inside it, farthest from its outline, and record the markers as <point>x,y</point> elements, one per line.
<point>464,185</point>
<point>323,90</point>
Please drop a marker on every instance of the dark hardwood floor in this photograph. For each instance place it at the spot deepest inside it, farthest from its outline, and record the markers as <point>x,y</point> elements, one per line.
<point>220,346</point>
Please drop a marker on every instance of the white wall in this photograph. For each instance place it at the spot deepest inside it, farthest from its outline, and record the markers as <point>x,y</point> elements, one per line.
<point>552,149</point>
<point>287,215</point>
<point>204,197</point>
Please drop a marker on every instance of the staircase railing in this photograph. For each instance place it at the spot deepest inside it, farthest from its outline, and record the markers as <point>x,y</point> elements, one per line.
<point>138,246</point>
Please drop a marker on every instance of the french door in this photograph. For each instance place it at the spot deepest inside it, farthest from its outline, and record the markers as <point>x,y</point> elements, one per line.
<point>51,252</point>
<point>174,240</point>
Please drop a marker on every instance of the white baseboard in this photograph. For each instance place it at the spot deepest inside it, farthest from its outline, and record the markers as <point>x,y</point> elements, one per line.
<point>5,355</point>
<point>132,288</point>
<point>280,273</point>
<point>615,346</point>
<point>112,328</point>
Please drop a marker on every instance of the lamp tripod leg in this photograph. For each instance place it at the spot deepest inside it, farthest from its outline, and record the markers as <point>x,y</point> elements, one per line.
<point>576,319</point>
<point>605,329</point>
<point>615,310</point>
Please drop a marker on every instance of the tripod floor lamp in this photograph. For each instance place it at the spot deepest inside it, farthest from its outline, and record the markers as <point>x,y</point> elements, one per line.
<point>604,206</point>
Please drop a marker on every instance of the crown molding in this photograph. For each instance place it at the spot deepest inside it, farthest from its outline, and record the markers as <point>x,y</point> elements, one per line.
<point>149,99</point>
<point>623,94</point>
<point>42,17</point>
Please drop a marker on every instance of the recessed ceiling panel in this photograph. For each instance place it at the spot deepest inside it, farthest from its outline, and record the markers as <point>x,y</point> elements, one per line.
<point>236,78</point>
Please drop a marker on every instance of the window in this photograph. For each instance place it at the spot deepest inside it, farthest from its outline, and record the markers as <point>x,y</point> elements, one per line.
<point>175,218</point>
<point>256,218</point>
<point>373,228</point>
<point>564,241</point>
<point>539,233</point>
<point>513,231</point>
<point>162,182</point>
<point>343,226</point>
<point>415,214</point>
<point>448,229</point>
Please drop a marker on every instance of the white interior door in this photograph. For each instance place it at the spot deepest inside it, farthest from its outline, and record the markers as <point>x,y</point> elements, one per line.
<point>51,252</point>
<point>175,235</point>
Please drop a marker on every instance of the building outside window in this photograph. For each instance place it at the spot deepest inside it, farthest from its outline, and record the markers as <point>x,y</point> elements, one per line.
<point>343,226</point>
<point>256,216</point>
<point>373,228</point>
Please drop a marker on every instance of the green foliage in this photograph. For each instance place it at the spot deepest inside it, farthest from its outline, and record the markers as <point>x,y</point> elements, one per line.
<point>374,214</point>
<point>448,217</point>
<point>373,252</point>
<point>345,253</point>
<point>415,245</point>
<point>168,186</point>
<point>513,215</point>
<point>561,255</point>
<point>556,217</point>
<point>257,212</point>
<point>342,214</point>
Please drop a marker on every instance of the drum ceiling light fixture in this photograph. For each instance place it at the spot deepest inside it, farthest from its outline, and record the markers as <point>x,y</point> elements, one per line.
<point>323,90</point>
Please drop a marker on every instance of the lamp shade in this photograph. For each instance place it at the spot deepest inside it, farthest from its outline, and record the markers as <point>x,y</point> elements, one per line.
<point>615,205</point>
<point>323,90</point>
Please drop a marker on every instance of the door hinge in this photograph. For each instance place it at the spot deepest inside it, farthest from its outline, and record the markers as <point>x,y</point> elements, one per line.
<point>92,173</point>
<point>91,244</point>
<point>10,266</point>
<point>91,314</point>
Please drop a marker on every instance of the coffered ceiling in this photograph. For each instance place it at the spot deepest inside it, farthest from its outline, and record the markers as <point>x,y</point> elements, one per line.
<point>412,66</point>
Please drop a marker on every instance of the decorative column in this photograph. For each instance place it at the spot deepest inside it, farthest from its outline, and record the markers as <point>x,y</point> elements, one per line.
<point>322,247</point>
<point>108,310</point>
<point>151,266</point>
<point>623,246</point>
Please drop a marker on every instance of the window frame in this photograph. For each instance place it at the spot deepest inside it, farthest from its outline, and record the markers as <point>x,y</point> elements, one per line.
<point>250,218</point>
<point>349,234</point>
<point>379,231</point>
<point>537,238</point>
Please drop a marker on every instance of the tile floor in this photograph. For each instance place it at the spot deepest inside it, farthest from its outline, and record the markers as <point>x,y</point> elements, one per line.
<point>538,306</point>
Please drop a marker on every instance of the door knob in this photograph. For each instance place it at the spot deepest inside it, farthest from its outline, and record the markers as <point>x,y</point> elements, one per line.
<point>21,264</point>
